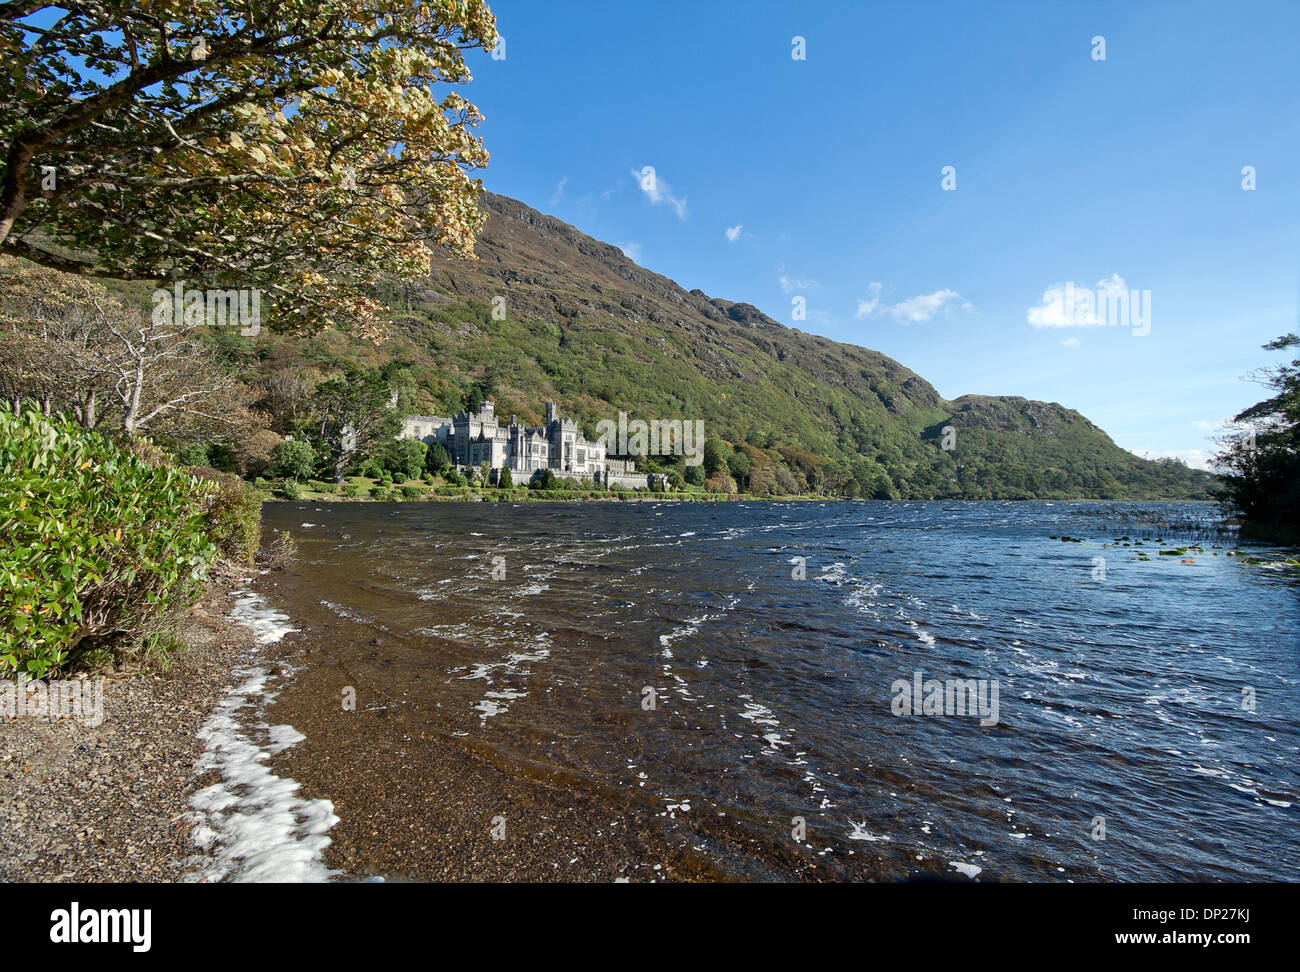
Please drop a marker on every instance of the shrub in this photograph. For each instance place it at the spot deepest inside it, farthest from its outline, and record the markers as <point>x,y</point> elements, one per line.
<point>98,541</point>
<point>720,483</point>
<point>352,489</point>
<point>233,516</point>
<point>411,492</point>
<point>193,454</point>
<point>294,458</point>
<point>437,460</point>
<point>288,490</point>
<point>544,479</point>
<point>378,492</point>
<point>404,457</point>
<point>280,552</point>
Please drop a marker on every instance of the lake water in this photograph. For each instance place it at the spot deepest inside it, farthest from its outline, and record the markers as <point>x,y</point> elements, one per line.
<point>669,661</point>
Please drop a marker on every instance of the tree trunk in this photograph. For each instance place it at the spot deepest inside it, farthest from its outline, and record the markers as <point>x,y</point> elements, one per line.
<point>340,465</point>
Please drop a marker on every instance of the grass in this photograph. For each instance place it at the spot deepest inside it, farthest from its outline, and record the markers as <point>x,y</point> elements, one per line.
<point>439,491</point>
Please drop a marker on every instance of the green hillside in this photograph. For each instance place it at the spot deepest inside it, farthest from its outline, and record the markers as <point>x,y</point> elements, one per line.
<point>589,328</point>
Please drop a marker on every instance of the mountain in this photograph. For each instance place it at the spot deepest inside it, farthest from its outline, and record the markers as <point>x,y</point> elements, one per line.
<point>586,326</point>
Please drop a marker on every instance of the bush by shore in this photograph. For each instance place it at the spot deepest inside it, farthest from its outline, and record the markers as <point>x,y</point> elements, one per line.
<point>103,542</point>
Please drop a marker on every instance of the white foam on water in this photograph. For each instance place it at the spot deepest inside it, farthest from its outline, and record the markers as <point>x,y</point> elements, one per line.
<point>970,870</point>
<point>267,624</point>
<point>253,824</point>
<point>860,832</point>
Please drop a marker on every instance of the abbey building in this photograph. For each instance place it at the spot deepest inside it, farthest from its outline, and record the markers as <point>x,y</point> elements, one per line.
<point>472,440</point>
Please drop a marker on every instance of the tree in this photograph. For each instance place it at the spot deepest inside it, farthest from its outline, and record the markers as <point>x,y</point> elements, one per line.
<point>353,416</point>
<point>295,458</point>
<point>405,456</point>
<point>69,342</point>
<point>289,147</point>
<point>716,454</point>
<point>738,466</point>
<point>285,395</point>
<point>437,460</point>
<point>720,483</point>
<point>694,475</point>
<point>504,479</point>
<point>1261,462</point>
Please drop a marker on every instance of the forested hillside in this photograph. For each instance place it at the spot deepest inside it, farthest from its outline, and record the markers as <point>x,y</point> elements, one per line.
<point>588,327</point>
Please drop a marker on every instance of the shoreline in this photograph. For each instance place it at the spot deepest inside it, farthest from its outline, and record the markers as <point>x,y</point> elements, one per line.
<point>110,803</point>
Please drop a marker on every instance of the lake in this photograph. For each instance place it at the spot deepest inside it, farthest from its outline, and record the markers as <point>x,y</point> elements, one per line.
<point>601,691</point>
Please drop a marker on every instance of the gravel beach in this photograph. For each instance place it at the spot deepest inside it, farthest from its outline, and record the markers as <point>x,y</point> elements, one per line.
<point>109,802</point>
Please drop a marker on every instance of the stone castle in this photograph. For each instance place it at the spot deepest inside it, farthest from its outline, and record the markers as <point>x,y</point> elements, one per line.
<point>474,439</point>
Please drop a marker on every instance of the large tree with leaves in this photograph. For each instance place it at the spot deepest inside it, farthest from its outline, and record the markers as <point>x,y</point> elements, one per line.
<point>1261,460</point>
<point>354,416</point>
<point>300,147</point>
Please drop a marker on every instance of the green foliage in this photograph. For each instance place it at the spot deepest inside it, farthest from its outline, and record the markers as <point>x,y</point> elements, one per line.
<point>289,490</point>
<point>412,492</point>
<point>544,479</point>
<point>694,475</point>
<point>294,458</point>
<point>505,480</point>
<point>1262,484</point>
<point>404,457</point>
<point>716,454</point>
<point>437,460</point>
<point>233,516</point>
<point>193,454</point>
<point>738,466</point>
<point>97,541</point>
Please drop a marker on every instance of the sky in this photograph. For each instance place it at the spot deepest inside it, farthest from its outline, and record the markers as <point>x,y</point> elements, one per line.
<point>822,177</point>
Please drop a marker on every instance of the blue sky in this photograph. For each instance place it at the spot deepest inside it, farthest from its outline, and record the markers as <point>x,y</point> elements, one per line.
<point>1068,169</point>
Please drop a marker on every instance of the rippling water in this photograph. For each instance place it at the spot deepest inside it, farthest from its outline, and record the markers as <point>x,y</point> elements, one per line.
<point>1120,696</point>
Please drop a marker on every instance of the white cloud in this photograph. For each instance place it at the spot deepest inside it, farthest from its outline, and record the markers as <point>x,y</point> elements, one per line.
<point>733,232</point>
<point>1070,342</point>
<point>917,310</point>
<point>868,305</point>
<point>790,284</point>
<point>913,310</point>
<point>631,250</point>
<point>559,190</point>
<point>657,190</point>
<point>1053,312</point>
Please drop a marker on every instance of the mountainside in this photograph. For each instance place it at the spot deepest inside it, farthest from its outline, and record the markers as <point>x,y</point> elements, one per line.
<point>586,326</point>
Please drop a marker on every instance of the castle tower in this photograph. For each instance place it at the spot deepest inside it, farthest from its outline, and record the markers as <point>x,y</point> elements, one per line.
<point>550,413</point>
